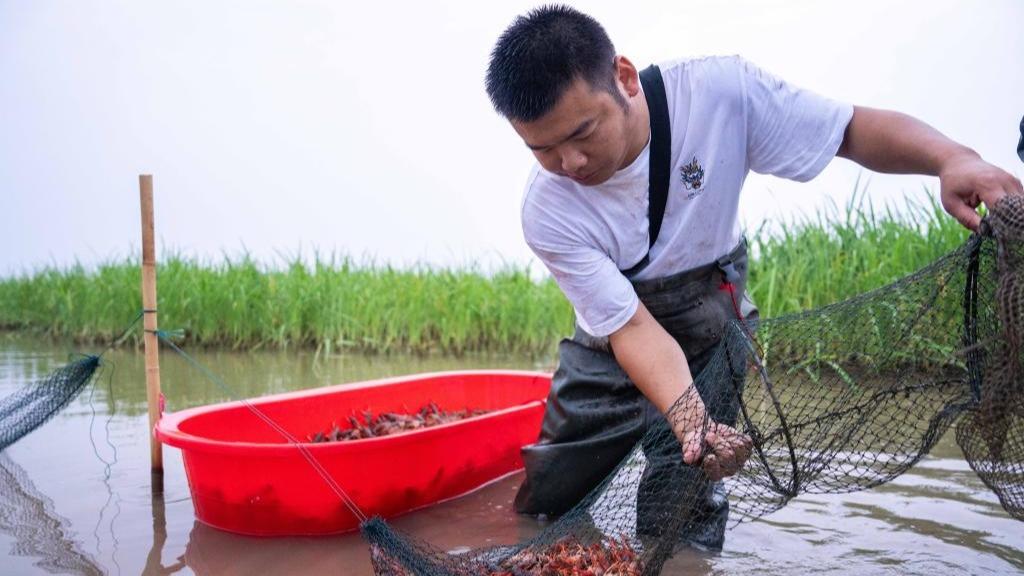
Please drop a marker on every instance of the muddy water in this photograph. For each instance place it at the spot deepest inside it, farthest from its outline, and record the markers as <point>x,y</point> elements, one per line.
<point>75,495</point>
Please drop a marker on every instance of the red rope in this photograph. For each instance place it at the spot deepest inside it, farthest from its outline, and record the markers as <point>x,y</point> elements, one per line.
<point>731,289</point>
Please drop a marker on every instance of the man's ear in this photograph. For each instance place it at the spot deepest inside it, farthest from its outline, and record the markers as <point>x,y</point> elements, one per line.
<point>627,76</point>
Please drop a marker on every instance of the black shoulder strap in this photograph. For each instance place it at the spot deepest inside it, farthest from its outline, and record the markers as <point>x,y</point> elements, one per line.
<point>660,159</point>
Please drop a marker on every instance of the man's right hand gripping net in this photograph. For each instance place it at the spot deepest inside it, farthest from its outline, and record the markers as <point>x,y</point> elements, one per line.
<point>837,399</point>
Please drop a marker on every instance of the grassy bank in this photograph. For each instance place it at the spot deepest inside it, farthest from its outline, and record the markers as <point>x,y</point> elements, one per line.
<point>337,304</point>
<point>330,305</point>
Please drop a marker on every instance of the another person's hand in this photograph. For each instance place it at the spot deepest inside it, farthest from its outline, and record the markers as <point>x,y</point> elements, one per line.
<point>967,181</point>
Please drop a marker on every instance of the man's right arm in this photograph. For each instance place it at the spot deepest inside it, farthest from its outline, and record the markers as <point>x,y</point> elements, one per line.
<point>606,304</point>
<point>658,367</point>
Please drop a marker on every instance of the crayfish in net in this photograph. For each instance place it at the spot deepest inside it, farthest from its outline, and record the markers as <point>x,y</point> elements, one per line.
<point>610,557</point>
<point>567,556</point>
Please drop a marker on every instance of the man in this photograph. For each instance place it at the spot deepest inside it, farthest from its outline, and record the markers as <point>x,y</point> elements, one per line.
<point>644,280</point>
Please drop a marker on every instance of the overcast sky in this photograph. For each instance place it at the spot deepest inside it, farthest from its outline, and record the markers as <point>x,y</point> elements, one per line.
<point>363,128</point>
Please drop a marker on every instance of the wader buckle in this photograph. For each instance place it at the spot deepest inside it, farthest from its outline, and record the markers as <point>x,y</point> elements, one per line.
<point>728,270</point>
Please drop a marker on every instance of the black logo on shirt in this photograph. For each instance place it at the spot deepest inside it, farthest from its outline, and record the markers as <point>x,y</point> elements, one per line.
<point>693,177</point>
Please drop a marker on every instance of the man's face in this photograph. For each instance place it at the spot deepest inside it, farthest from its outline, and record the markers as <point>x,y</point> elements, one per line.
<point>584,137</point>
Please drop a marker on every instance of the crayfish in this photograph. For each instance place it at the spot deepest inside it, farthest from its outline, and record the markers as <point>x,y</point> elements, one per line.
<point>566,557</point>
<point>609,557</point>
<point>391,423</point>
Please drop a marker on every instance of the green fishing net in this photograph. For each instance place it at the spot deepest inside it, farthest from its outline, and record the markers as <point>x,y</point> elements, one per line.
<point>33,404</point>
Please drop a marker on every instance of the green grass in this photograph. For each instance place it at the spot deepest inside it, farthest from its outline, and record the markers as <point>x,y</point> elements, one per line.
<point>336,303</point>
<point>852,252</point>
<point>841,252</point>
<point>330,305</point>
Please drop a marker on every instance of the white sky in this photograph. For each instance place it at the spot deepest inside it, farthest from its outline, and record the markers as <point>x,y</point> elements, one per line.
<point>364,129</point>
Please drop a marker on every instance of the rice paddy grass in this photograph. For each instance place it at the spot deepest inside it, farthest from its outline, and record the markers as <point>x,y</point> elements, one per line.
<point>334,303</point>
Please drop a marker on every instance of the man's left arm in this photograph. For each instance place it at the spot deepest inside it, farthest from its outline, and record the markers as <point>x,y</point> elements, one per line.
<point>892,142</point>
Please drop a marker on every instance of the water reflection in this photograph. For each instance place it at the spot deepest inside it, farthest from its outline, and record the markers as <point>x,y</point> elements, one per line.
<point>154,560</point>
<point>487,511</point>
<point>212,552</point>
<point>39,532</point>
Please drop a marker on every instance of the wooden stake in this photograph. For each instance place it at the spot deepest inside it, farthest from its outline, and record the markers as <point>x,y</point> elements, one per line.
<point>150,325</point>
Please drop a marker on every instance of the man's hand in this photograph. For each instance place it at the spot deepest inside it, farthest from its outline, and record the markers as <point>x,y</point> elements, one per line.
<point>967,181</point>
<point>727,449</point>
<point>891,142</point>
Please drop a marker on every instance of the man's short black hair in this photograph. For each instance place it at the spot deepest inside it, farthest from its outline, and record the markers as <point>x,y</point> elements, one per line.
<point>541,54</point>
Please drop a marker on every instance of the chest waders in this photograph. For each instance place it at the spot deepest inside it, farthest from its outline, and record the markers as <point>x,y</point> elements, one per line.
<point>595,415</point>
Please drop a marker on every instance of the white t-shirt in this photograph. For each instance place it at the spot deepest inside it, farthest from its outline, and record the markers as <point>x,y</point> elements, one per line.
<point>727,117</point>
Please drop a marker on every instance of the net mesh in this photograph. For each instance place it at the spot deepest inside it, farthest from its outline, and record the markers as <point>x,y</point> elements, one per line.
<point>991,432</point>
<point>32,405</point>
<point>837,399</point>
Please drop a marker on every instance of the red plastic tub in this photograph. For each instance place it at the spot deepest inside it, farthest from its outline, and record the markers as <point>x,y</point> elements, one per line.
<point>246,478</point>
